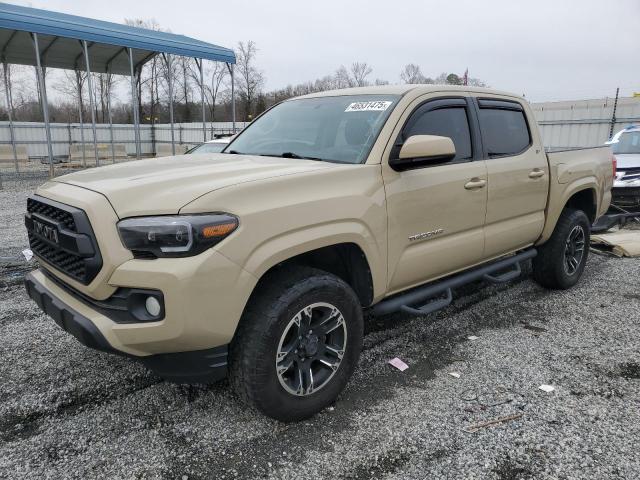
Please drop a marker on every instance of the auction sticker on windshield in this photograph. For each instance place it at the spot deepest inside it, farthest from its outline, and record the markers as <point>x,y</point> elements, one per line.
<point>374,106</point>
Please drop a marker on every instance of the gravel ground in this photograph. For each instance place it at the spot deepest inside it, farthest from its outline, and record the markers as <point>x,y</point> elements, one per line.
<point>13,203</point>
<point>70,412</point>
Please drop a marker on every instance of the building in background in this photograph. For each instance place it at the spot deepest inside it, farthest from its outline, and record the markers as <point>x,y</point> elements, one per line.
<point>584,123</point>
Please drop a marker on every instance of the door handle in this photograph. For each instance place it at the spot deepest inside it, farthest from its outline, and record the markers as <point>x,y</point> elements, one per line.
<point>475,183</point>
<point>537,173</point>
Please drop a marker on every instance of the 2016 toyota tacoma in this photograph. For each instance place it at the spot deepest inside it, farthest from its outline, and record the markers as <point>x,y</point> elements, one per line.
<point>258,262</point>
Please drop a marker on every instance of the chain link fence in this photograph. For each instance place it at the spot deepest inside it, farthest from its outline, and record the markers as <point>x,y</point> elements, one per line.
<point>73,146</point>
<point>563,125</point>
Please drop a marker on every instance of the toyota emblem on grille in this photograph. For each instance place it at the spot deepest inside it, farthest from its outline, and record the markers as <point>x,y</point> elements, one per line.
<point>45,231</point>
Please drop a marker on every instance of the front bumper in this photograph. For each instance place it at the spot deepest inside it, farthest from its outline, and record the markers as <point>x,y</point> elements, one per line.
<point>67,318</point>
<point>203,298</point>
<point>199,366</point>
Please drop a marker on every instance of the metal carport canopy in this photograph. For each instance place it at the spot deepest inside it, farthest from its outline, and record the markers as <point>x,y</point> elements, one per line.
<point>61,34</point>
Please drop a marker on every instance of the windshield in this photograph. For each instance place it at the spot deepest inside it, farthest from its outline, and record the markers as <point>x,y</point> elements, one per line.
<point>209,148</point>
<point>339,129</point>
<point>629,142</point>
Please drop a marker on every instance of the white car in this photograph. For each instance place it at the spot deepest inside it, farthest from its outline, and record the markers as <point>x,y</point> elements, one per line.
<point>212,146</point>
<point>626,148</point>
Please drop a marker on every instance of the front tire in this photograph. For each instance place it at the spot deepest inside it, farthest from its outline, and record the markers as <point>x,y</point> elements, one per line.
<point>561,260</point>
<point>297,343</point>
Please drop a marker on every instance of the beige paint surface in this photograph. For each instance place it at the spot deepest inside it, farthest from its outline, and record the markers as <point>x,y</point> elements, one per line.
<point>287,207</point>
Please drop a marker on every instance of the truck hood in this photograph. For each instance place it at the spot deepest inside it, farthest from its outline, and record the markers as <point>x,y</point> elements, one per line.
<point>164,185</point>
<point>627,160</point>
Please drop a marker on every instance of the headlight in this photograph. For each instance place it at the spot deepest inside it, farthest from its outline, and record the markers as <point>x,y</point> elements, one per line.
<point>175,236</point>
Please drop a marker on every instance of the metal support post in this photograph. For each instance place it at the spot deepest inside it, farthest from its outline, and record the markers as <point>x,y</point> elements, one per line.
<point>7,92</point>
<point>233,97</point>
<point>167,60</point>
<point>613,115</point>
<point>91,101</point>
<point>204,116</point>
<point>134,100</point>
<point>113,150</point>
<point>43,98</point>
<point>84,153</point>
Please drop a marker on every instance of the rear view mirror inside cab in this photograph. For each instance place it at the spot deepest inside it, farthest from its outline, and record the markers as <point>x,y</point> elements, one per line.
<point>422,150</point>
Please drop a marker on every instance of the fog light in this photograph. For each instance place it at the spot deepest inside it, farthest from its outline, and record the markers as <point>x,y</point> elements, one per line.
<point>153,306</point>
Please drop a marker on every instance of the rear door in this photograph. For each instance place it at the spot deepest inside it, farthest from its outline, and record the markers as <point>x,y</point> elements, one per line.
<point>518,175</point>
<point>436,212</point>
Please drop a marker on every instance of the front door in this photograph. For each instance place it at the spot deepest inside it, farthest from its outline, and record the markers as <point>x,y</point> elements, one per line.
<point>436,213</point>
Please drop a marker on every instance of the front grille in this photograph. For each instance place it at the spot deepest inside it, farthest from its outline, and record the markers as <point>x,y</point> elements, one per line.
<point>72,265</point>
<point>54,213</point>
<point>61,235</point>
<point>630,173</point>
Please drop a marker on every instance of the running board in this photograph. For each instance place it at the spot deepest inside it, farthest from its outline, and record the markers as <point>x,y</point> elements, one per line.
<point>606,222</point>
<point>404,302</point>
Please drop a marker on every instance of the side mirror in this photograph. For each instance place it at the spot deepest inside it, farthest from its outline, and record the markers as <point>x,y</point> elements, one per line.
<point>421,150</point>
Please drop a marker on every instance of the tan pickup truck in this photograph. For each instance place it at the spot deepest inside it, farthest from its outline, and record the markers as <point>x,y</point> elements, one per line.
<point>258,262</point>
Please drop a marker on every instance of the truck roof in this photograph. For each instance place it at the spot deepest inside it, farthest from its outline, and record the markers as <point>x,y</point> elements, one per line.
<point>403,89</point>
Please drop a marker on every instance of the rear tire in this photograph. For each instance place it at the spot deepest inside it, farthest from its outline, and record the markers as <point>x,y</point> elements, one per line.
<point>561,260</point>
<point>297,343</point>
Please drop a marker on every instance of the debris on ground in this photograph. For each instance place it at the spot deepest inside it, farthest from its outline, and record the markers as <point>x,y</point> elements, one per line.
<point>534,328</point>
<point>472,337</point>
<point>478,426</point>
<point>399,364</point>
<point>455,374</point>
<point>489,398</point>
<point>621,243</point>
<point>547,388</point>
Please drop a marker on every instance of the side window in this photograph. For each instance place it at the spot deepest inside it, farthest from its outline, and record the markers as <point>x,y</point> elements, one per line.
<point>449,122</point>
<point>504,132</point>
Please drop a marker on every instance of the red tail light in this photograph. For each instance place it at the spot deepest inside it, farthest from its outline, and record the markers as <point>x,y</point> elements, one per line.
<point>614,165</point>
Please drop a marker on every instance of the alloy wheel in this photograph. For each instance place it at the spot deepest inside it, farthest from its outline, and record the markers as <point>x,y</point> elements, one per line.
<point>311,349</point>
<point>574,250</point>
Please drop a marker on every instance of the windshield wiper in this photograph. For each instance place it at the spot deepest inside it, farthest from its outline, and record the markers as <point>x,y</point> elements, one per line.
<point>295,155</point>
<point>233,152</point>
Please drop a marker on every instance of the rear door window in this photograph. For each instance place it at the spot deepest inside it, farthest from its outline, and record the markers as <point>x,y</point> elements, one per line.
<point>504,128</point>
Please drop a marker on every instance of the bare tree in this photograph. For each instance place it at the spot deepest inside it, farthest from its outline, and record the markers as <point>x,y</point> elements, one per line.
<point>185,68</point>
<point>152,84</point>
<point>476,82</point>
<point>325,83</point>
<point>212,91</point>
<point>250,79</point>
<point>453,79</point>
<point>356,76</point>
<point>359,72</point>
<point>105,85</point>
<point>342,79</point>
<point>168,70</point>
<point>411,74</point>
<point>150,74</point>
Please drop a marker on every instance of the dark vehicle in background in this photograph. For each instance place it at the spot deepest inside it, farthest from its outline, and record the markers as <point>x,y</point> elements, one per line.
<point>626,148</point>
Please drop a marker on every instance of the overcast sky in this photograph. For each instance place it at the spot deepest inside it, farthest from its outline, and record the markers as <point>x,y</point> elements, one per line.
<point>546,49</point>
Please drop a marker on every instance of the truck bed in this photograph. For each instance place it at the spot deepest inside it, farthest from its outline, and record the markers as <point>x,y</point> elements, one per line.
<point>571,171</point>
